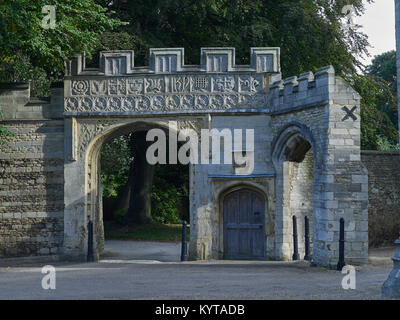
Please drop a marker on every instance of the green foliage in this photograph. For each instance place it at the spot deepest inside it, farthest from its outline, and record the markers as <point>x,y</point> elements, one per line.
<point>119,215</point>
<point>43,51</point>
<point>379,112</point>
<point>377,97</point>
<point>309,32</point>
<point>385,145</point>
<point>169,195</point>
<point>4,132</point>
<point>384,66</point>
<point>19,68</point>
<point>166,201</point>
<point>115,159</point>
<point>78,26</point>
<point>383,69</point>
<point>115,41</point>
<point>149,232</point>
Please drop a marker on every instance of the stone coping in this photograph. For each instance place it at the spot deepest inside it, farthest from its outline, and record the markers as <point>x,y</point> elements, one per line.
<point>379,152</point>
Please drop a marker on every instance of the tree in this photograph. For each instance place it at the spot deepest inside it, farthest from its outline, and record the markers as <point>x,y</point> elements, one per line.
<point>164,199</point>
<point>377,129</point>
<point>378,89</point>
<point>383,69</point>
<point>384,66</point>
<point>26,45</point>
<point>309,33</point>
<point>140,182</point>
<point>115,159</point>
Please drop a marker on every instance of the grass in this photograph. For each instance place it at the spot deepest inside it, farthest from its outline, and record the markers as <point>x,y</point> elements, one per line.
<point>150,232</point>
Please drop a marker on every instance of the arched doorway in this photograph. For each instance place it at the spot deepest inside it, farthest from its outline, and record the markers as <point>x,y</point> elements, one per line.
<point>94,208</point>
<point>244,224</point>
<point>296,183</point>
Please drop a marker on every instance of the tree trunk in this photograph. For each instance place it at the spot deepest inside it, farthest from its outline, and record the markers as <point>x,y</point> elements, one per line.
<point>123,201</point>
<point>139,211</point>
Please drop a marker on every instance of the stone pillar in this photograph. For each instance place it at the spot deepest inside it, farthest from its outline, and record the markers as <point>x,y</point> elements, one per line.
<point>75,219</point>
<point>201,235</point>
<point>344,178</point>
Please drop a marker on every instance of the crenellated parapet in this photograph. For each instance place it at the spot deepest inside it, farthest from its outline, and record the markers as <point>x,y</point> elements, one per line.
<point>167,84</point>
<point>309,89</point>
<point>217,84</point>
<point>16,102</point>
<point>306,90</point>
<point>171,60</point>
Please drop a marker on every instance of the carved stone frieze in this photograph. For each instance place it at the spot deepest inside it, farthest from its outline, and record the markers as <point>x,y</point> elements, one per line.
<point>165,93</point>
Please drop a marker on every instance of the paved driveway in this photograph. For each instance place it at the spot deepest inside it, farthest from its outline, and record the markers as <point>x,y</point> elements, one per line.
<point>151,271</point>
<point>142,250</point>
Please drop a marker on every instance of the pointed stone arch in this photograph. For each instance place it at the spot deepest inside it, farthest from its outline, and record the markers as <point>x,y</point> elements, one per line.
<point>295,157</point>
<point>262,236</point>
<point>83,202</point>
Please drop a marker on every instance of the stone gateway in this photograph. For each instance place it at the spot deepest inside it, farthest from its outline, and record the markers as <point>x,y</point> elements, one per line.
<point>307,160</point>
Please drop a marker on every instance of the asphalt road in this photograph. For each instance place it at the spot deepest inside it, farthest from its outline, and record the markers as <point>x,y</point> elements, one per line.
<point>145,270</point>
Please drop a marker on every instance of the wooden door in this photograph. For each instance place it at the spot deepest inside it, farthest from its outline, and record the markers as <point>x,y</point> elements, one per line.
<point>244,225</point>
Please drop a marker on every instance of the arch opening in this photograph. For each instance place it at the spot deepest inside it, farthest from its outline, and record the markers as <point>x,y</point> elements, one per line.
<point>156,197</point>
<point>294,160</point>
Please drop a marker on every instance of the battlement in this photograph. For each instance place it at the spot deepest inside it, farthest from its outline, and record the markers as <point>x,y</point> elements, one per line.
<point>217,84</point>
<point>16,102</point>
<point>307,89</point>
<point>168,85</point>
<point>171,60</point>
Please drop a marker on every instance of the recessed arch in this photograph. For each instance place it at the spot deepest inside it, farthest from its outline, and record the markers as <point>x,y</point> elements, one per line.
<point>121,129</point>
<point>235,185</point>
<point>295,157</point>
<point>291,141</point>
<point>94,209</point>
<point>256,198</point>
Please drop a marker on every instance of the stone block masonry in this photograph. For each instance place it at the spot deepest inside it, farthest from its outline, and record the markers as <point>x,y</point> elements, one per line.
<point>31,177</point>
<point>383,195</point>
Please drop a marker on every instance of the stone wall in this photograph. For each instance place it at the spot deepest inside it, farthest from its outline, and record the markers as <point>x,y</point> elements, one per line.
<point>301,196</point>
<point>31,176</point>
<point>384,196</point>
